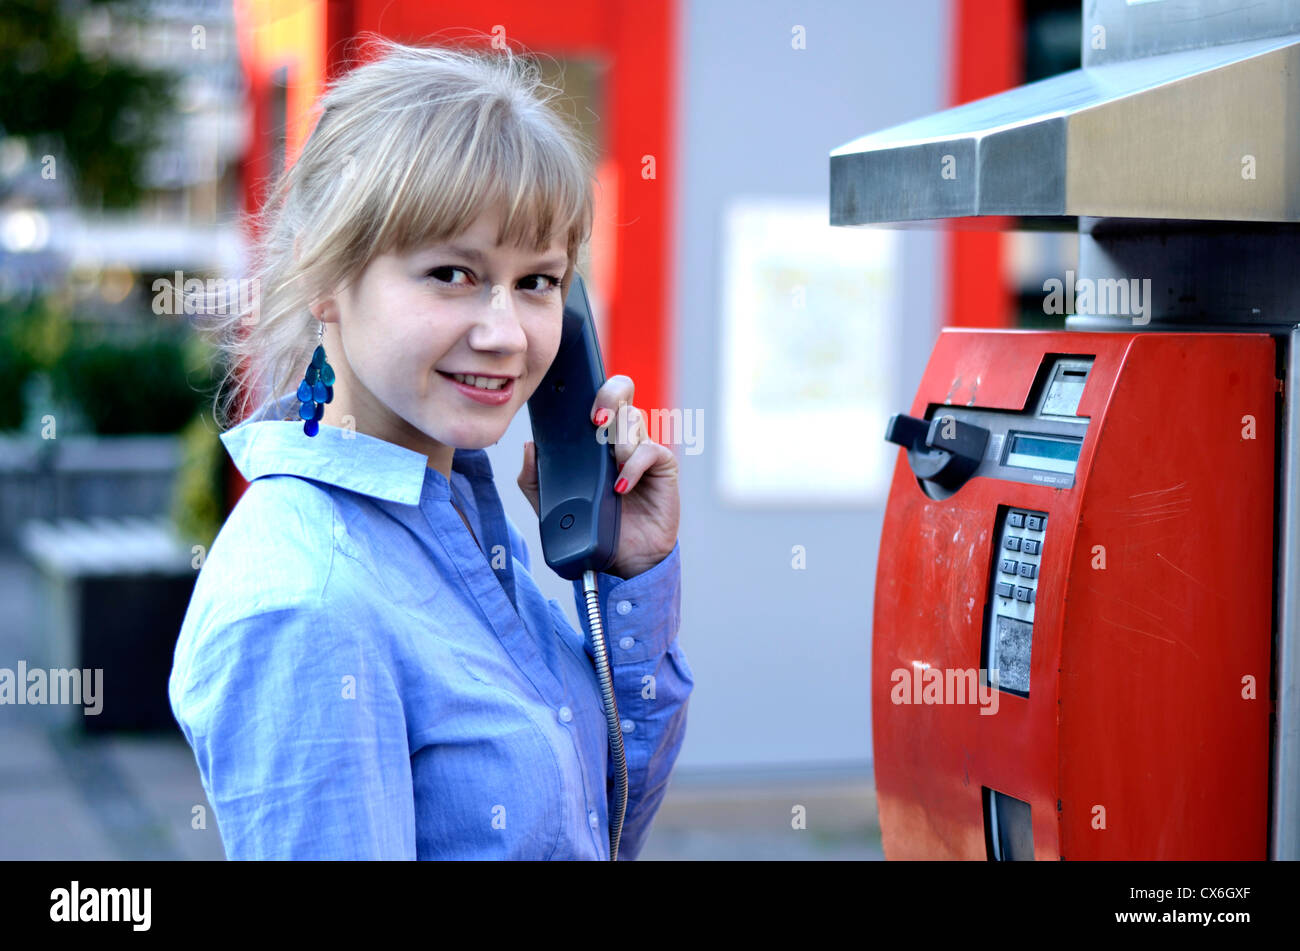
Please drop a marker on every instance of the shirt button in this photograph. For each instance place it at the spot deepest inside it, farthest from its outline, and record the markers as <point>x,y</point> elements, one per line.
<point>627,725</point>
<point>626,643</point>
<point>566,714</point>
<point>623,607</point>
<point>593,819</point>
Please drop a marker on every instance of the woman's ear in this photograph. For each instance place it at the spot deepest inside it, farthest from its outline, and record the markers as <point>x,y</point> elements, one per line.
<point>325,309</point>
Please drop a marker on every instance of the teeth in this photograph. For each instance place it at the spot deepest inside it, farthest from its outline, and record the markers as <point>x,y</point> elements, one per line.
<point>480,382</point>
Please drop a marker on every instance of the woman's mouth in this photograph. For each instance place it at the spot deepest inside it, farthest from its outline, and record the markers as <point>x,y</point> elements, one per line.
<point>492,391</point>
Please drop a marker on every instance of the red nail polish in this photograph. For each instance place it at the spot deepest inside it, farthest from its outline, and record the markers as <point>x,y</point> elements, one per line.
<point>620,486</point>
<point>621,465</point>
<point>601,417</point>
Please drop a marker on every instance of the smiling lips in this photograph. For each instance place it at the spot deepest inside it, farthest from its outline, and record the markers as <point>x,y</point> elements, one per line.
<point>490,390</point>
<point>481,382</point>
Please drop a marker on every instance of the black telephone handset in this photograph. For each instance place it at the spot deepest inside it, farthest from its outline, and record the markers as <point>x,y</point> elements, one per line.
<point>579,510</point>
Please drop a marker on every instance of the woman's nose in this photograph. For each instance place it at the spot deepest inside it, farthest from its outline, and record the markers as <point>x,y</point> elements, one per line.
<point>498,326</point>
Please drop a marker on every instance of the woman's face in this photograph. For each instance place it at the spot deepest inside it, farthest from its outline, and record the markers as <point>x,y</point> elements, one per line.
<point>412,319</point>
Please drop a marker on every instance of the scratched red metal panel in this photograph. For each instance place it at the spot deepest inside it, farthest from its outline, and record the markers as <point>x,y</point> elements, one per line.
<point>932,580</point>
<point>932,760</point>
<point>1154,726</point>
<point>995,369</point>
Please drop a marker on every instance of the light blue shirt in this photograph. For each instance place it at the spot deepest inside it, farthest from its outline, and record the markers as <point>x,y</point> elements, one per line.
<point>358,679</point>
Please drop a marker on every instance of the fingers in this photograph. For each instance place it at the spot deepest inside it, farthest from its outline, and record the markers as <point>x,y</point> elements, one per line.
<point>641,459</point>
<point>527,480</point>
<point>618,421</point>
<point>626,427</point>
<point>618,390</point>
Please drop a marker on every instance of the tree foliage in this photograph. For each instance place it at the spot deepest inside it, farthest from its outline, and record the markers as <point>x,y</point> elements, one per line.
<point>100,113</point>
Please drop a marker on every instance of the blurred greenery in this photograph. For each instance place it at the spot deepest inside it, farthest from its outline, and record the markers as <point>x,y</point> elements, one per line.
<point>122,380</point>
<point>198,500</point>
<point>150,380</point>
<point>31,339</point>
<point>102,115</point>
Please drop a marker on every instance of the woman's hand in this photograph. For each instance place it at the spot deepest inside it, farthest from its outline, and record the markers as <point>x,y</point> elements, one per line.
<point>647,479</point>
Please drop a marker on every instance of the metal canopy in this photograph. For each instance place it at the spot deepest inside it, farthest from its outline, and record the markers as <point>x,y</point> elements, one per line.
<point>1210,133</point>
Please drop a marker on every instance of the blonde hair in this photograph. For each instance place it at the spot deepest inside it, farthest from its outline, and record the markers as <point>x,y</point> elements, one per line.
<point>409,148</point>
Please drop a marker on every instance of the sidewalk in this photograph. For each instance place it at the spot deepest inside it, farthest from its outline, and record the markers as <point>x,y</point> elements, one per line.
<point>65,796</point>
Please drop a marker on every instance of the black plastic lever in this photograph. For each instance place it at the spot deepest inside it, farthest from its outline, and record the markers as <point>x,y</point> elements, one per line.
<point>943,450</point>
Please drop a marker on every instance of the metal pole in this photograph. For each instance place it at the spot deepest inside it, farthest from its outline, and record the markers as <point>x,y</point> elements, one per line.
<point>1285,841</point>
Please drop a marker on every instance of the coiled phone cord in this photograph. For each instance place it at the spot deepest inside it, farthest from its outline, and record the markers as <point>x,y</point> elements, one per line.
<point>611,711</point>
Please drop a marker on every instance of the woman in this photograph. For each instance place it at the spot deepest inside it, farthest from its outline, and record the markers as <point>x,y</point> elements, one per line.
<point>367,668</point>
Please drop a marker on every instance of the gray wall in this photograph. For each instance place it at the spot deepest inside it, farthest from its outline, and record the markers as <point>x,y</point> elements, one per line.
<point>781,657</point>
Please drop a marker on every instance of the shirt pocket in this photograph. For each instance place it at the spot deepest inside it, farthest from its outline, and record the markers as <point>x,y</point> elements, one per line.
<point>488,782</point>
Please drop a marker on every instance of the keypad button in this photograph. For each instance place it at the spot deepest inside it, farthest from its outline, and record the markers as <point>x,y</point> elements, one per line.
<point>1009,566</point>
<point>1005,589</point>
<point>1030,546</point>
<point>1025,594</point>
<point>1016,519</point>
<point>1027,570</point>
<point>1012,543</point>
<point>1034,523</point>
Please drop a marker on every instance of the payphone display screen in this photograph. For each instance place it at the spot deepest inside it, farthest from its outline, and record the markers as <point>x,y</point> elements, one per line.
<point>1039,445</point>
<point>1049,453</point>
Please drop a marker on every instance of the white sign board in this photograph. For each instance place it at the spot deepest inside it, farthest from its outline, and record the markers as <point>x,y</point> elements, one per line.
<point>807,352</point>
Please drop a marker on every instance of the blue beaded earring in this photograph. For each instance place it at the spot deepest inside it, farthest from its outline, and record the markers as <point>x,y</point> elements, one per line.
<point>317,387</point>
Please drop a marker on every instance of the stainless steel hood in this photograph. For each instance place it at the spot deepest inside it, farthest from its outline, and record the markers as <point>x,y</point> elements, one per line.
<point>1211,133</point>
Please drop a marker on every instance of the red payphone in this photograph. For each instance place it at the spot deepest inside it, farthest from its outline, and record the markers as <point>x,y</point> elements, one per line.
<point>1073,605</point>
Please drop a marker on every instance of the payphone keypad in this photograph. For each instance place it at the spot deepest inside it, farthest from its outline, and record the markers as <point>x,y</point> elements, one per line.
<point>1017,562</point>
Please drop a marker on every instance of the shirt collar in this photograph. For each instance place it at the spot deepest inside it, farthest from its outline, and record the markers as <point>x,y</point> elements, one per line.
<point>267,444</point>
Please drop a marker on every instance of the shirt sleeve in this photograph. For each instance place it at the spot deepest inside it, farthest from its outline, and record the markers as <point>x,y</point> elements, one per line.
<point>652,684</point>
<point>297,725</point>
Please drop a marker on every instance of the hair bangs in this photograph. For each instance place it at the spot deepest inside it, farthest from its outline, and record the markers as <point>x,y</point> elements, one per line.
<point>502,162</point>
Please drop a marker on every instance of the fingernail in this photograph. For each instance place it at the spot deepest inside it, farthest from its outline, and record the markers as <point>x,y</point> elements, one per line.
<point>602,416</point>
<point>620,486</point>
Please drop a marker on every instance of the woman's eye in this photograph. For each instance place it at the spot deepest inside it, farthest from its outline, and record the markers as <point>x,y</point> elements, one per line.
<point>554,282</point>
<point>444,276</point>
<point>439,273</point>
